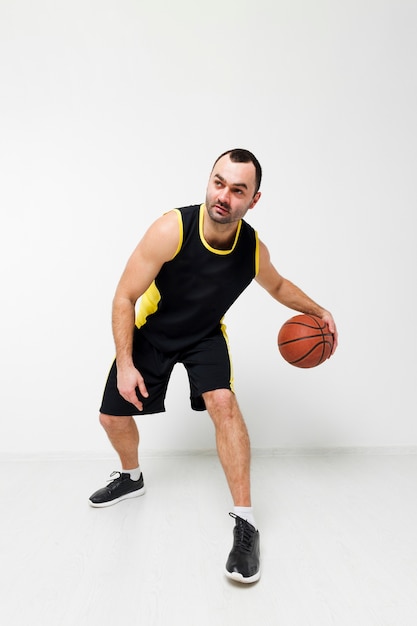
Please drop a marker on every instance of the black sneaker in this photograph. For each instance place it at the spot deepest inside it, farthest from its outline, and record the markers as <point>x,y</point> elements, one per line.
<point>119,488</point>
<point>243,562</point>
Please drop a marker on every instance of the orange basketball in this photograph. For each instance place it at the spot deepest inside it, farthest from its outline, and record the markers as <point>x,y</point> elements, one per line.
<point>305,341</point>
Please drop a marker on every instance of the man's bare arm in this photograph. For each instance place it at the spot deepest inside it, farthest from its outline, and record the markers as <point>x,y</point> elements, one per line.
<point>289,294</point>
<point>158,246</point>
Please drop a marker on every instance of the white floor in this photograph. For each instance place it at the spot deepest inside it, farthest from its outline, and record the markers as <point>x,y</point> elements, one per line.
<point>338,541</point>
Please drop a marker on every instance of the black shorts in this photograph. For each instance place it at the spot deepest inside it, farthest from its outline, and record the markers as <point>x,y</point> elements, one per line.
<point>208,366</point>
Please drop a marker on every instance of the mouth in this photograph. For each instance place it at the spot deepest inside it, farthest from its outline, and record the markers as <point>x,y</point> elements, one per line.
<point>221,209</point>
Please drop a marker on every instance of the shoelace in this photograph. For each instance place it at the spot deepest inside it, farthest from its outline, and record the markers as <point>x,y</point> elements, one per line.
<point>111,480</point>
<point>243,533</point>
<point>113,483</point>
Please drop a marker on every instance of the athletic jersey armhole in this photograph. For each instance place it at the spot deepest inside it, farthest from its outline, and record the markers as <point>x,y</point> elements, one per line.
<point>181,232</point>
<point>256,253</point>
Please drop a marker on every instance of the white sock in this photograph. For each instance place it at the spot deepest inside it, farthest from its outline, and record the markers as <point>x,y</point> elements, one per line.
<point>134,473</point>
<point>245,512</point>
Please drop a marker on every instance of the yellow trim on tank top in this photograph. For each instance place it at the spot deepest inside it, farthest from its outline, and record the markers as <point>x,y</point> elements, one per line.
<point>181,233</point>
<point>206,244</point>
<point>226,338</point>
<point>148,304</point>
<point>256,253</point>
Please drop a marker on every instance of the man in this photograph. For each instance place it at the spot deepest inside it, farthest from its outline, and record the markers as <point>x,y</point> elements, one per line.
<point>188,269</point>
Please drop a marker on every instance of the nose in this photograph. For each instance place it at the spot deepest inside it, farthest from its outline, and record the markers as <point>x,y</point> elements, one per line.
<point>224,195</point>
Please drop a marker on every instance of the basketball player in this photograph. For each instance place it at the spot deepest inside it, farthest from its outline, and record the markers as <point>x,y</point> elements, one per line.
<point>188,269</point>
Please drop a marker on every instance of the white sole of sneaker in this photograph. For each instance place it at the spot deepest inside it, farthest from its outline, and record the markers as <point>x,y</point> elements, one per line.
<point>132,494</point>
<point>241,579</point>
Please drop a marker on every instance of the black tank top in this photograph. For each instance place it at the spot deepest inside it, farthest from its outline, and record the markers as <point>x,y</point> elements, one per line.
<point>192,292</point>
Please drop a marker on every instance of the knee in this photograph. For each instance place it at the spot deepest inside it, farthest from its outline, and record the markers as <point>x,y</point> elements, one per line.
<point>221,403</point>
<point>113,422</point>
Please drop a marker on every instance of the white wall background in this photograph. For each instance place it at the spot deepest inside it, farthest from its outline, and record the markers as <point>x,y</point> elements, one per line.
<point>113,112</point>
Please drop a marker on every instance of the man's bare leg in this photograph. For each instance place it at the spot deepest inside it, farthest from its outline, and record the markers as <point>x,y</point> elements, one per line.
<point>124,437</point>
<point>232,442</point>
<point>233,446</point>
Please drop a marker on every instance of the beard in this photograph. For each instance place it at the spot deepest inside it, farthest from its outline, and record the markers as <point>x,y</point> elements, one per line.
<point>220,212</point>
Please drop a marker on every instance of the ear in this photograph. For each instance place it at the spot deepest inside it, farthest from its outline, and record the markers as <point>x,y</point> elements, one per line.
<point>255,199</point>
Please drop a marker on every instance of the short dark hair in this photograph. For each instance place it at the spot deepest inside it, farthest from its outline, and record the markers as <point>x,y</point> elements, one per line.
<point>240,155</point>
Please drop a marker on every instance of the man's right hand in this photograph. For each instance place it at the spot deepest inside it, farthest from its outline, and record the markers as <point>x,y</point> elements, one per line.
<point>128,380</point>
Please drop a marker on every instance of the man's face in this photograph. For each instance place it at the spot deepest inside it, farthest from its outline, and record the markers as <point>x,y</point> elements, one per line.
<point>231,191</point>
